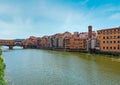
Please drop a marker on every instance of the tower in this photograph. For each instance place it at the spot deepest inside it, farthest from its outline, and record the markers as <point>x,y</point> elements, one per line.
<point>89,32</point>
<point>89,37</point>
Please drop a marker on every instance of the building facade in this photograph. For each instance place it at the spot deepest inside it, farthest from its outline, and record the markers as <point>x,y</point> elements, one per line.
<point>31,42</point>
<point>44,42</point>
<point>105,40</point>
<point>109,39</point>
<point>74,42</point>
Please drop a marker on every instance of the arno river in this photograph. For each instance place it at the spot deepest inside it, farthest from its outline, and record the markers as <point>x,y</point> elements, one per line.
<point>43,67</point>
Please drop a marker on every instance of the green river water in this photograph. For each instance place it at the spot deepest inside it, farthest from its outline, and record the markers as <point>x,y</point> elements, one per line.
<point>43,67</point>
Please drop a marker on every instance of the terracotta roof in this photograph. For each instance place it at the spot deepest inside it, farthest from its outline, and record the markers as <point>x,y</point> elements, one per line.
<point>109,28</point>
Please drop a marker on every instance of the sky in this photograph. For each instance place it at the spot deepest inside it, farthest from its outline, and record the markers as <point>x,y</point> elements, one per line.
<point>24,18</point>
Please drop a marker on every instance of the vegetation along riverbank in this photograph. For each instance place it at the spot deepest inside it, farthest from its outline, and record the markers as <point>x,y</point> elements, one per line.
<point>2,67</point>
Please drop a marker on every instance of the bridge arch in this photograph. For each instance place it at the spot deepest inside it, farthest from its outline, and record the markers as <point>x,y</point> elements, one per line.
<point>11,43</point>
<point>18,44</point>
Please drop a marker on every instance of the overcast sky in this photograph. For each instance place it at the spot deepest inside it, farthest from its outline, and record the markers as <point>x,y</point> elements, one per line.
<point>24,18</point>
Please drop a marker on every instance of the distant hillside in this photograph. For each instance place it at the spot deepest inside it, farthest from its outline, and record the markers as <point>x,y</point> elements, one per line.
<point>19,39</point>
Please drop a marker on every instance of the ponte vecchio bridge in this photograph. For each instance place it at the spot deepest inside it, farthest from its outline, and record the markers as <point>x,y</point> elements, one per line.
<point>11,43</point>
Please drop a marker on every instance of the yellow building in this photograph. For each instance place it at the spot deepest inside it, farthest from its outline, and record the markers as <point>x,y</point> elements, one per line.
<point>109,39</point>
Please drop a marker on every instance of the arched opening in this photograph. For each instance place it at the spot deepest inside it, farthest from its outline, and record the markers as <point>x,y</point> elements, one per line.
<point>17,47</point>
<point>5,48</point>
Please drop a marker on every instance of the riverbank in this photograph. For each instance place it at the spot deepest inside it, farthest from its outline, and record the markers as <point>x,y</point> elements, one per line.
<point>91,51</point>
<point>115,57</point>
<point>2,67</point>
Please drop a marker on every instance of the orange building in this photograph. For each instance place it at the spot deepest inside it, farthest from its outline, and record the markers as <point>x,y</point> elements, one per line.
<point>74,42</point>
<point>77,44</point>
<point>109,39</point>
<point>44,42</point>
<point>30,42</point>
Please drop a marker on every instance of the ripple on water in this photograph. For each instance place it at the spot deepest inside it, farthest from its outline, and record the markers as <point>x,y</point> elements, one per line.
<point>42,67</point>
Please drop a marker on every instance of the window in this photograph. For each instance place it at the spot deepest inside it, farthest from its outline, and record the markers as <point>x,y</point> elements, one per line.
<point>103,32</point>
<point>110,41</point>
<point>114,31</point>
<point>114,48</point>
<point>114,41</point>
<point>110,47</point>
<point>118,41</point>
<point>110,37</point>
<point>106,47</point>
<point>114,37</point>
<point>110,32</point>
<point>103,41</point>
<point>107,37</point>
<point>103,37</point>
<point>118,37</point>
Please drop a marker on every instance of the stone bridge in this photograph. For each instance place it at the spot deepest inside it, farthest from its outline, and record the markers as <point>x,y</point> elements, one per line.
<point>11,43</point>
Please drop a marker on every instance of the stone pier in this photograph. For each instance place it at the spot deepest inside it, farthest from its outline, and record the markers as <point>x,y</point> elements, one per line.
<point>10,47</point>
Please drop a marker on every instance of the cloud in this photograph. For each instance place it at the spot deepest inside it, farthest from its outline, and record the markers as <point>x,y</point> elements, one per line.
<point>46,18</point>
<point>14,29</point>
<point>60,18</point>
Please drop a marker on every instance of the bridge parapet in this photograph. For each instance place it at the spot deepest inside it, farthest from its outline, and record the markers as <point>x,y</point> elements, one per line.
<point>11,43</point>
<point>6,42</point>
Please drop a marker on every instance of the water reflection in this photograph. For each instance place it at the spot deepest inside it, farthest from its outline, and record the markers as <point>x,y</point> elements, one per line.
<point>43,67</point>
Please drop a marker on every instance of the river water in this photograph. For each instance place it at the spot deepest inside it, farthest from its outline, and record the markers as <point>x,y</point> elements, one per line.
<point>43,67</point>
